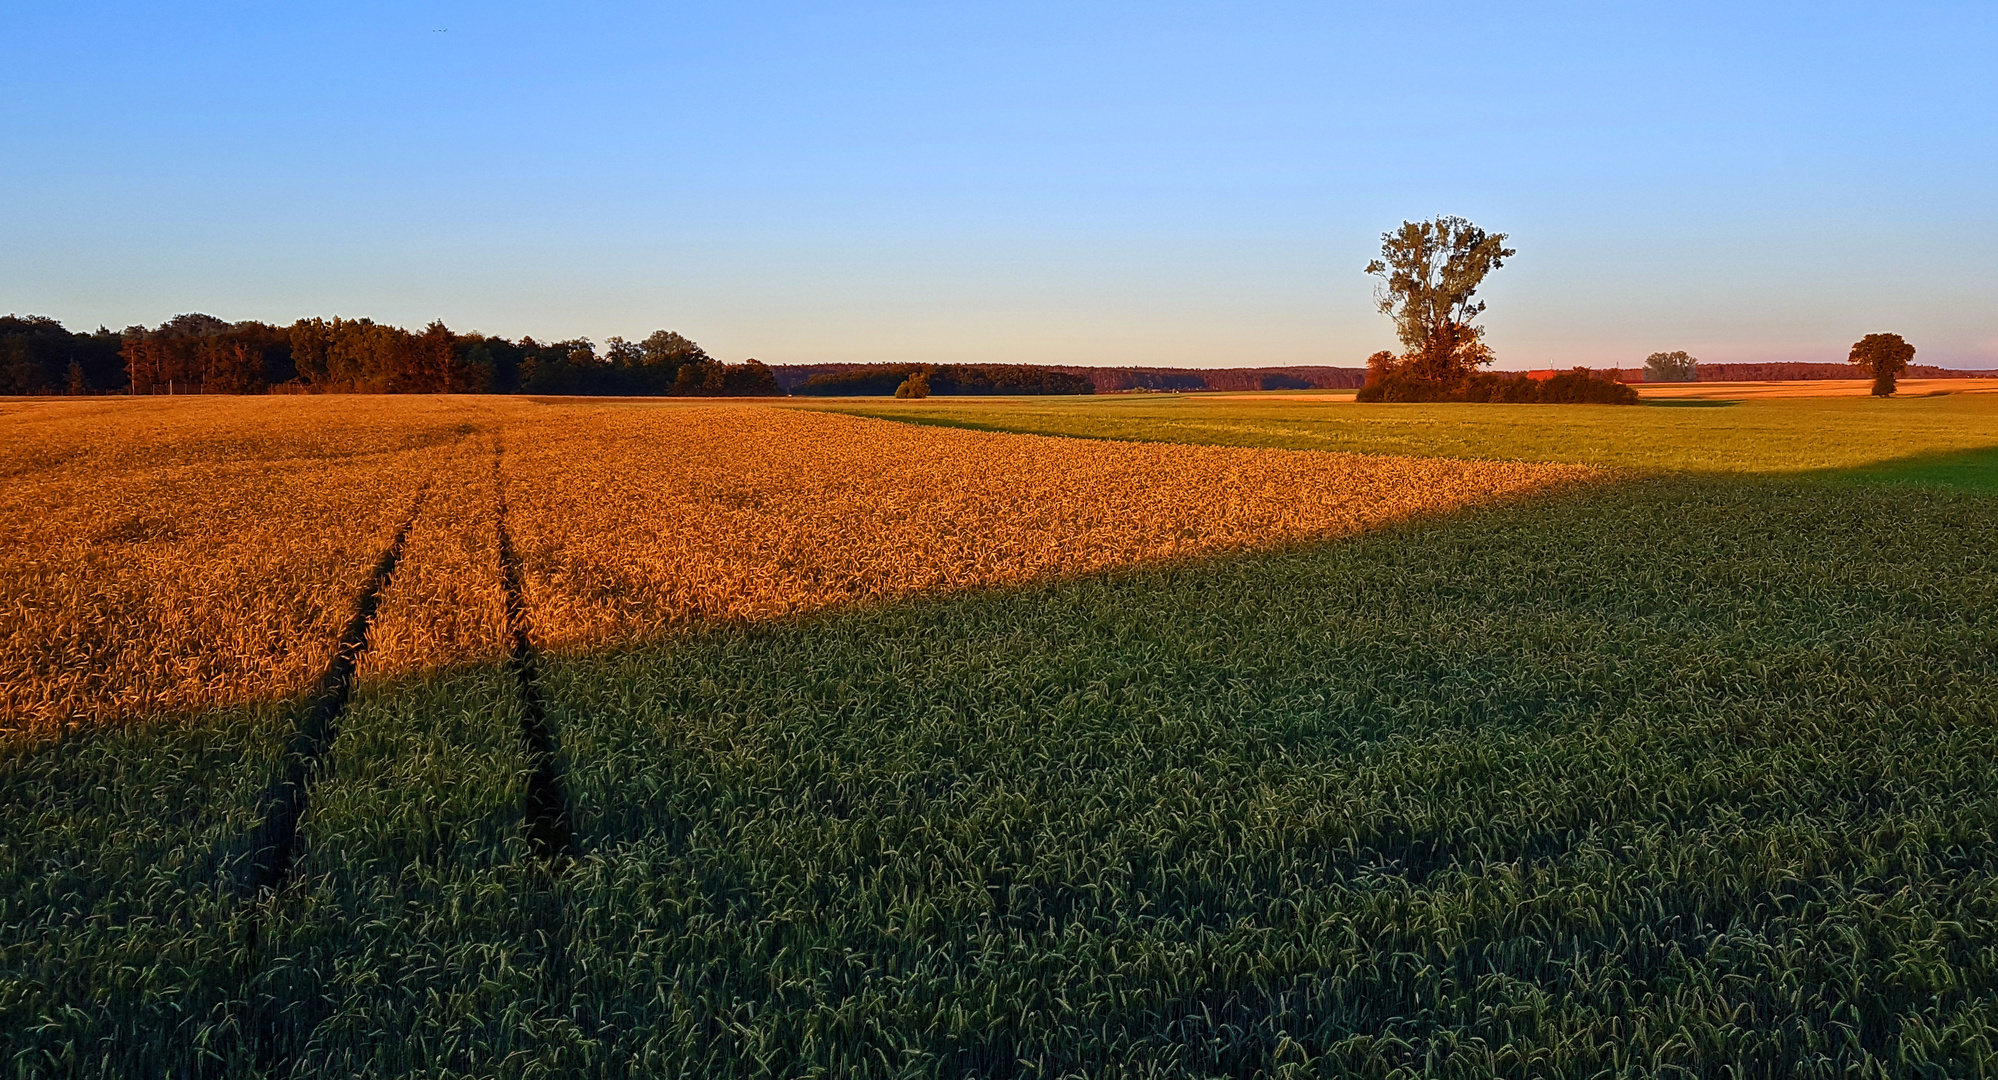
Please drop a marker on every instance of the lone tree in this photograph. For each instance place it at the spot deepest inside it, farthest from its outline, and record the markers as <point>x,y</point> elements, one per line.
<point>1429,271</point>
<point>1671,367</point>
<point>1883,356</point>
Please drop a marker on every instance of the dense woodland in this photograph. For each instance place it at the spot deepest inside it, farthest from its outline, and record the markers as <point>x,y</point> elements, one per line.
<point>38,356</point>
<point>1111,380</point>
<point>201,354</point>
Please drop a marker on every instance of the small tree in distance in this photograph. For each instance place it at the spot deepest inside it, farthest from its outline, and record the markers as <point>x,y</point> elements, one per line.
<point>1883,356</point>
<point>917,385</point>
<point>1671,367</point>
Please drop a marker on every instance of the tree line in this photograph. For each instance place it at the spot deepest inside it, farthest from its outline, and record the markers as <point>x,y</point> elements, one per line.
<point>39,356</point>
<point>954,379</point>
<point>202,354</point>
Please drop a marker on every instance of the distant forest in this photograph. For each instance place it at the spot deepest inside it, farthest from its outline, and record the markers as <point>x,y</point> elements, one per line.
<point>201,354</point>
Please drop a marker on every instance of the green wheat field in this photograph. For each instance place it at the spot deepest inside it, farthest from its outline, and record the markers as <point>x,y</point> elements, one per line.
<point>1686,772</point>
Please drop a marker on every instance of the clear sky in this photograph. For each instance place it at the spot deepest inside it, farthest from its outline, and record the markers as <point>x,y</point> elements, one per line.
<point>1055,183</point>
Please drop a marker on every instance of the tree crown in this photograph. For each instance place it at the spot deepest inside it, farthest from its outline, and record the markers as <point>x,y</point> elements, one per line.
<point>1429,272</point>
<point>1676,366</point>
<point>1878,354</point>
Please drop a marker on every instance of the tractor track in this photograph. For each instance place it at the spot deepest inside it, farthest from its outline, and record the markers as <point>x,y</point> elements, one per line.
<point>276,1021</point>
<point>285,1017</point>
<point>274,844</point>
<point>550,829</point>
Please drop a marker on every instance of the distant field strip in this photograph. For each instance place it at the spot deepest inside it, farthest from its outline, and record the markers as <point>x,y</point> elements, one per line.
<point>1725,431</point>
<point>634,521</point>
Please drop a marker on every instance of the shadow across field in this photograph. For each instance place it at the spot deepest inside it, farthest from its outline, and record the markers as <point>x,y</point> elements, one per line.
<point>1970,470</point>
<point>1455,796</point>
<point>1593,782</point>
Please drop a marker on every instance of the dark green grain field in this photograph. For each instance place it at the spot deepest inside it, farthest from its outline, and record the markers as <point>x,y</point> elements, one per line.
<point>1689,773</point>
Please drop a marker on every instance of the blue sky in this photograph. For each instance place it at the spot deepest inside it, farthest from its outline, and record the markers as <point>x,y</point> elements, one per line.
<point>1064,183</point>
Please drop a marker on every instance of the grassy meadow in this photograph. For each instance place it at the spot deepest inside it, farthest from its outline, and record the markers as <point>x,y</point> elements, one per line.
<point>900,750</point>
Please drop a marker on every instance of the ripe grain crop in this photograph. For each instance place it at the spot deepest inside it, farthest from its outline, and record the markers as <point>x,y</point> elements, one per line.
<point>637,521</point>
<point>172,556</point>
<point>179,555</point>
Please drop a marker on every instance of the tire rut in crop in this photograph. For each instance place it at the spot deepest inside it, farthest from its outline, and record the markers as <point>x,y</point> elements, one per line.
<point>274,845</point>
<point>550,832</point>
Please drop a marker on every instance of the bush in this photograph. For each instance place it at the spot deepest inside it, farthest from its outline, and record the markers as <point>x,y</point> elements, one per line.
<point>1398,386</point>
<point>1577,387</point>
<point>1500,389</point>
<point>915,386</point>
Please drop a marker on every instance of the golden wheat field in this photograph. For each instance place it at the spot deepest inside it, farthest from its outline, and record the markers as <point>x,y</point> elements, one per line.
<point>173,555</point>
<point>168,555</point>
<point>631,521</point>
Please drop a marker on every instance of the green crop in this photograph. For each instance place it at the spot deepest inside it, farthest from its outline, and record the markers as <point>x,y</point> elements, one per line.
<point>1671,775</point>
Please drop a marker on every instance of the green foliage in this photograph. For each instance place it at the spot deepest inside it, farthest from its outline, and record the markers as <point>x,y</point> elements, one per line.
<point>714,379</point>
<point>198,353</point>
<point>664,364</point>
<point>1883,357</point>
<point>664,348</point>
<point>1677,366</point>
<point>363,356</point>
<point>38,356</point>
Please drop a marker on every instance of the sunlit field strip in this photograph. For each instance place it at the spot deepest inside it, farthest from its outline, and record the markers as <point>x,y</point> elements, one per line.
<point>445,607</point>
<point>634,522</point>
<point>1739,434</point>
<point>176,556</point>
